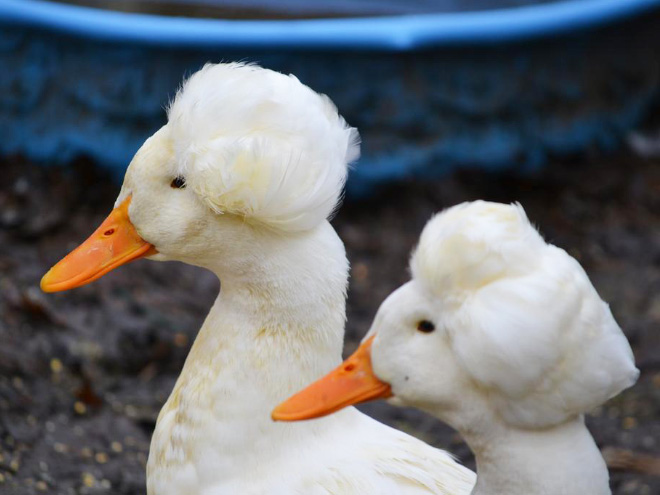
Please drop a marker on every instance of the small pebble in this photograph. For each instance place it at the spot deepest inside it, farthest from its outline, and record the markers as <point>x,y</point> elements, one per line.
<point>656,380</point>
<point>21,186</point>
<point>56,365</point>
<point>88,479</point>
<point>101,457</point>
<point>79,407</point>
<point>180,339</point>
<point>360,272</point>
<point>60,448</point>
<point>648,442</point>
<point>42,486</point>
<point>116,447</point>
<point>629,422</point>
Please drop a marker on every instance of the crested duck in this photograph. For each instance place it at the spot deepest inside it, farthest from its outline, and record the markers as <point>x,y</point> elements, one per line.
<point>503,337</point>
<point>242,180</point>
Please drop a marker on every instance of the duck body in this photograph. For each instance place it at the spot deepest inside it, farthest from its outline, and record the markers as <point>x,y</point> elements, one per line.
<point>241,181</point>
<point>276,326</point>
<point>503,337</point>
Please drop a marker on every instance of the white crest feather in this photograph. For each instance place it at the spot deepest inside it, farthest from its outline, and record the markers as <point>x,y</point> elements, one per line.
<point>524,319</point>
<point>261,145</point>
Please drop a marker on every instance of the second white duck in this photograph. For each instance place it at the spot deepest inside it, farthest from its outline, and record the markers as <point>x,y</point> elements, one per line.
<point>503,337</point>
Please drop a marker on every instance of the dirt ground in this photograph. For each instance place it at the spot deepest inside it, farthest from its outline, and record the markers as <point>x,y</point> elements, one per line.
<point>83,374</point>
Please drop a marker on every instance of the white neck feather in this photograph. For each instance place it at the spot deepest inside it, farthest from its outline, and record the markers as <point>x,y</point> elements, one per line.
<point>285,310</point>
<point>563,460</point>
<point>276,326</point>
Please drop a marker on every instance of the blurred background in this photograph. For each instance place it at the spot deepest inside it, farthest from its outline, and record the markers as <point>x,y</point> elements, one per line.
<point>555,104</point>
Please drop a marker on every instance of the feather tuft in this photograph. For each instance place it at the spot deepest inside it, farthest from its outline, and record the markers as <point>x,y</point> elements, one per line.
<point>261,145</point>
<point>524,319</point>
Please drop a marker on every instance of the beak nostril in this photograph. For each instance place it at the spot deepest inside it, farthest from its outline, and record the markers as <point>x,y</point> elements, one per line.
<point>349,367</point>
<point>109,232</point>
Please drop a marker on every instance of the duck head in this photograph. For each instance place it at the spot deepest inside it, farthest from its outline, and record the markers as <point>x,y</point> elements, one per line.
<point>246,150</point>
<point>495,325</point>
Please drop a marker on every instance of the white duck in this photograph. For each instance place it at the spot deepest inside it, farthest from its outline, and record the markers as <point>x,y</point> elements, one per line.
<point>503,337</point>
<point>241,181</point>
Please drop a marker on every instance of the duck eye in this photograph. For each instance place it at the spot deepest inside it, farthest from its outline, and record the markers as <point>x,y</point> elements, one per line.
<point>178,182</point>
<point>425,326</point>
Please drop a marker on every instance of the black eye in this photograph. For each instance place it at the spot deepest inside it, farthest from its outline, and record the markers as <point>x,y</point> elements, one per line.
<point>425,326</point>
<point>178,183</point>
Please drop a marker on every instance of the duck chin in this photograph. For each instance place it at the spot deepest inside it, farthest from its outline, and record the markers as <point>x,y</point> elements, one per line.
<point>159,257</point>
<point>396,401</point>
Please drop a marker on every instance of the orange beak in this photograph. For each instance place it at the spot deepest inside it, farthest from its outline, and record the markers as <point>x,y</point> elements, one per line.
<point>114,243</point>
<point>350,383</point>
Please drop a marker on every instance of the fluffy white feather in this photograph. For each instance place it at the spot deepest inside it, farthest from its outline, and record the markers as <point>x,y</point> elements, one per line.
<point>524,319</point>
<point>264,159</point>
<point>261,145</point>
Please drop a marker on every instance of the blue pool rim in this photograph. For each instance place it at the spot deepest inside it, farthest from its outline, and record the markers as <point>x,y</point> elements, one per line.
<point>391,33</point>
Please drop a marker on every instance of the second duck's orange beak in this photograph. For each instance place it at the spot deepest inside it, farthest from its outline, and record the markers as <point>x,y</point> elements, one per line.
<point>351,383</point>
<point>114,243</point>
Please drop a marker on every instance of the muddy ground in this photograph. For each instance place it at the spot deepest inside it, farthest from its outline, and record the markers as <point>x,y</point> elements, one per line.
<point>83,374</point>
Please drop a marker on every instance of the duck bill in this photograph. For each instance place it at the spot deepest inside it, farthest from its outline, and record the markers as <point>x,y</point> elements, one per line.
<point>114,243</point>
<point>350,383</point>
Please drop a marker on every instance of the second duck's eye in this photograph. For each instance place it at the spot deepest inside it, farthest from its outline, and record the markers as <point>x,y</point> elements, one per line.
<point>425,326</point>
<point>178,182</point>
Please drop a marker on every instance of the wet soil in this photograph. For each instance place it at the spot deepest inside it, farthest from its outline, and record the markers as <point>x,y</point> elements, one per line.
<point>83,374</point>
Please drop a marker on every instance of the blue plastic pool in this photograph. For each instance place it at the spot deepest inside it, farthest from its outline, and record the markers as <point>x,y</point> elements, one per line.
<point>429,92</point>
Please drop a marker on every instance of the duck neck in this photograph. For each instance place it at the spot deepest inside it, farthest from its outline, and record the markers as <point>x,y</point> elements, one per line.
<point>277,324</point>
<point>563,459</point>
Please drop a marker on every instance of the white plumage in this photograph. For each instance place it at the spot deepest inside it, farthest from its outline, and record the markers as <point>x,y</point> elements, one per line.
<point>524,319</point>
<point>515,346</point>
<point>263,159</point>
<point>260,144</point>
<point>503,337</point>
